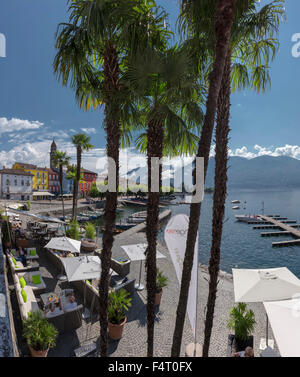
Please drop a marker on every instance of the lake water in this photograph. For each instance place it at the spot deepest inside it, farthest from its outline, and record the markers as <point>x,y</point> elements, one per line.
<point>242,246</point>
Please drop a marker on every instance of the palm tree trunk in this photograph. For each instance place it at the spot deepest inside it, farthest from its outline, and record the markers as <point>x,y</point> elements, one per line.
<point>61,188</point>
<point>225,13</point>
<point>112,126</point>
<point>78,176</point>
<point>221,158</point>
<point>155,137</point>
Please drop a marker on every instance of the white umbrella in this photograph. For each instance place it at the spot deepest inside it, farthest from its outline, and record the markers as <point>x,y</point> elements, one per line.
<point>253,285</point>
<point>284,318</point>
<point>64,244</point>
<point>82,268</point>
<point>137,252</point>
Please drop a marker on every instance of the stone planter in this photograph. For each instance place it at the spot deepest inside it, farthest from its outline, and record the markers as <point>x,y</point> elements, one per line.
<point>88,245</point>
<point>35,353</point>
<point>115,332</point>
<point>157,299</point>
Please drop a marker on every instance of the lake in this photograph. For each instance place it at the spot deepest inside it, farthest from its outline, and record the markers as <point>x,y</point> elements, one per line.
<point>242,246</point>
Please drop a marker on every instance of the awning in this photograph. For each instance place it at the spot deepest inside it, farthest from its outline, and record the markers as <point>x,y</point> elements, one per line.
<point>284,317</point>
<point>37,217</point>
<point>42,193</point>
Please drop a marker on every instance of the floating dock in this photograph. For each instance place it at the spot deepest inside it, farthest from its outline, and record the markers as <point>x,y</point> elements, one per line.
<point>286,229</point>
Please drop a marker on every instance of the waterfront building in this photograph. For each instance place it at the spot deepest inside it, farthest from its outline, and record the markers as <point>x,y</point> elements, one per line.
<point>16,184</point>
<point>40,179</point>
<point>54,185</point>
<point>88,178</point>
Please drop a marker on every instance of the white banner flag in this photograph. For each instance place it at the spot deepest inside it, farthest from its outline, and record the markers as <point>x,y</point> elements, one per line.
<point>175,238</point>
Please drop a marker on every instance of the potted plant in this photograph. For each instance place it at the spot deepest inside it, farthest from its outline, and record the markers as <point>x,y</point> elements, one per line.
<point>88,243</point>
<point>118,304</point>
<point>161,282</point>
<point>73,231</point>
<point>242,321</point>
<point>39,333</point>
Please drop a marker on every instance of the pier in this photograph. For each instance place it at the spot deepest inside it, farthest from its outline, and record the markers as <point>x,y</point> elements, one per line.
<point>286,229</point>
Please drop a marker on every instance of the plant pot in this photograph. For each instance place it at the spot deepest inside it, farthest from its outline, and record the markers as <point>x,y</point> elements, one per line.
<point>157,299</point>
<point>115,332</point>
<point>88,245</point>
<point>35,353</point>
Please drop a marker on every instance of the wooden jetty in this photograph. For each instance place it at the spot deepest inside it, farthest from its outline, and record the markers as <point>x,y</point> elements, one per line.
<point>285,228</point>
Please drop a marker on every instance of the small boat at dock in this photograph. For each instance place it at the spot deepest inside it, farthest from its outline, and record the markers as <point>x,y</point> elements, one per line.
<point>248,218</point>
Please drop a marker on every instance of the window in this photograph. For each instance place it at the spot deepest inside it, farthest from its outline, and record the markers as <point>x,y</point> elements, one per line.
<point>22,182</point>
<point>38,174</point>
<point>7,182</point>
<point>16,182</point>
<point>28,183</point>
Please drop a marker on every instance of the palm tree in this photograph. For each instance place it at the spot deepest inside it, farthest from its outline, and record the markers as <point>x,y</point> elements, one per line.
<point>224,16</point>
<point>72,176</point>
<point>92,51</point>
<point>252,46</point>
<point>61,160</point>
<point>82,143</point>
<point>168,95</point>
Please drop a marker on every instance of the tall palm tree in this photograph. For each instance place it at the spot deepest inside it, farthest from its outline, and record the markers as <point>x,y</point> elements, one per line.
<point>61,160</point>
<point>92,51</point>
<point>252,46</point>
<point>224,16</point>
<point>82,143</point>
<point>168,95</point>
<point>72,176</point>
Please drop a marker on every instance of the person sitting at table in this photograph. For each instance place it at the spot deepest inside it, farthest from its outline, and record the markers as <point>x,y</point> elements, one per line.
<point>70,304</point>
<point>55,309</point>
<point>22,256</point>
<point>247,353</point>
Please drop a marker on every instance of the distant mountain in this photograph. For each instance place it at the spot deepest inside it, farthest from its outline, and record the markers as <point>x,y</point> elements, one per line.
<point>264,172</point>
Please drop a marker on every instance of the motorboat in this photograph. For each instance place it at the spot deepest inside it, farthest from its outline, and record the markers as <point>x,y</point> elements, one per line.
<point>235,201</point>
<point>235,207</point>
<point>248,218</point>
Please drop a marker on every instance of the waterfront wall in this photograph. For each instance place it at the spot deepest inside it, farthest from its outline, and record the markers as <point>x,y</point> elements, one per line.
<point>6,337</point>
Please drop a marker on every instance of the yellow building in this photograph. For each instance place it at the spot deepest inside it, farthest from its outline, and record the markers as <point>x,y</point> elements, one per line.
<point>40,179</point>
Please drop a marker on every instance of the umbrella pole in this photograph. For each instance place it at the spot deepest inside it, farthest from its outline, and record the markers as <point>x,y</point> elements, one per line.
<point>140,286</point>
<point>267,330</point>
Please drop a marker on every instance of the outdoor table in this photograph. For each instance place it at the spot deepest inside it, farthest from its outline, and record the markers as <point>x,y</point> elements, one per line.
<point>45,298</point>
<point>137,253</point>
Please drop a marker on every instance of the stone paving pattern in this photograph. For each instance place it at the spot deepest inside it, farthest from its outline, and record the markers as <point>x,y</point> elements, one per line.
<point>134,340</point>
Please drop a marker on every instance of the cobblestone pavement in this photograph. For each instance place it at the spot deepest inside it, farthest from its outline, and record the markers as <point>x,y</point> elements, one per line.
<point>134,340</point>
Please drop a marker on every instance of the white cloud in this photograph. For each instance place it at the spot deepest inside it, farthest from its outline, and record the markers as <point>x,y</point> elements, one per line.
<point>89,130</point>
<point>14,124</point>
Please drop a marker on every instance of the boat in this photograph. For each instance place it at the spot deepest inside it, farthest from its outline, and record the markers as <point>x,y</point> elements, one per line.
<point>124,226</point>
<point>136,220</point>
<point>235,201</point>
<point>248,218</point>
<point>235,207</point>
<point>141,214</point>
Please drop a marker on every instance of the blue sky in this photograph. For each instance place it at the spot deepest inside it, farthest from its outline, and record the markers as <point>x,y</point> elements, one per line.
<point>34,107</point>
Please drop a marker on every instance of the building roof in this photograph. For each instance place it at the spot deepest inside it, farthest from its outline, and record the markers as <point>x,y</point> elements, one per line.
<point>26,166</point>
<point>52,171</point>
<point>88,171</point>
<point>30,166</point>
<point>15,172</point>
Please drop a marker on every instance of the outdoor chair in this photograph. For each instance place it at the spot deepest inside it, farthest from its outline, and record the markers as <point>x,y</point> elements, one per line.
<point>73,319</point>
<point>58,322</point>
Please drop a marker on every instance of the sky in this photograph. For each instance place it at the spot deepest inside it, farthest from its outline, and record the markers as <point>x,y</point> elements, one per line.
<point>35,108</point>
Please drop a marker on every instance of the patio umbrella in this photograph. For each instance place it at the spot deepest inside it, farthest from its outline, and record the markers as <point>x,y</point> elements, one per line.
<point>137,252</point>
<point>64,244</point>
<point>284,318</point>
<point>82,268</point>
<point>254,285</point>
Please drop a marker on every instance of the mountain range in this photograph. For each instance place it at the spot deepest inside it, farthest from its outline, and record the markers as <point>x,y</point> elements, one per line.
<point>264,172</point>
